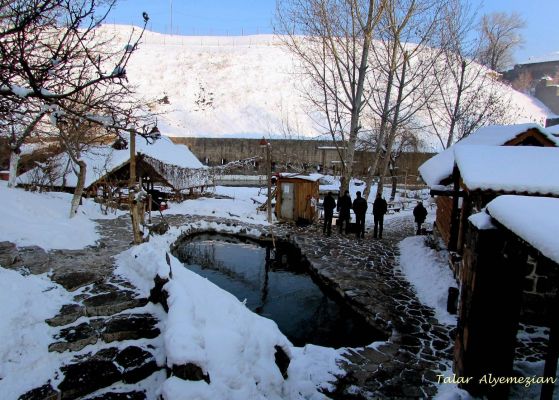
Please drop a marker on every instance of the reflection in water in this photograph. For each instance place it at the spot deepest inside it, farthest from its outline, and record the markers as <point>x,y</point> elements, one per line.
<point>277,288</point>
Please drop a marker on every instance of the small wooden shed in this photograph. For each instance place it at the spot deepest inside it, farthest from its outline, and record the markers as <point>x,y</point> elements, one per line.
<point>297,197</point>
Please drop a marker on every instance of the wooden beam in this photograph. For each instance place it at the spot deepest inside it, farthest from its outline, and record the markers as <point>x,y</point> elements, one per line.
<point>447,193</point>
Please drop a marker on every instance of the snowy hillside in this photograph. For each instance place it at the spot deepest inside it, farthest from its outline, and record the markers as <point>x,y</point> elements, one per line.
<point>237,86</point>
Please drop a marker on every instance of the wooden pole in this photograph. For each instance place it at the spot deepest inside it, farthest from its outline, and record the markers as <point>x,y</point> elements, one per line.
<point>132,192</point>
<point>269,167</point>
<point>550,367</point>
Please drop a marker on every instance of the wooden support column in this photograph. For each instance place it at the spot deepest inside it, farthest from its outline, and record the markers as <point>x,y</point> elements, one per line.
<point>550,369</point>
<point>455,218</point>
<point>490,300</point>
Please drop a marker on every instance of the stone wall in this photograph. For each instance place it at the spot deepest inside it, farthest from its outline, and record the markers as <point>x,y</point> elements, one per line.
<point>540,277</point>
<point>548,93</point>
<point>311,155</point>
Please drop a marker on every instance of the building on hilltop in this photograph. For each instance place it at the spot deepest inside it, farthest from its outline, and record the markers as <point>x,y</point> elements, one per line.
<point>541,76</point>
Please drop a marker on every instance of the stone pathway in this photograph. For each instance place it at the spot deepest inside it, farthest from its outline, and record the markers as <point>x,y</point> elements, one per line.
<point>106,312</point>
<point>364,272</point>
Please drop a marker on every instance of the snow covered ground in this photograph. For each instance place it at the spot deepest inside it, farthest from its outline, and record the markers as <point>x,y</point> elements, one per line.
<point>240,355</point>
<point>41,219</point>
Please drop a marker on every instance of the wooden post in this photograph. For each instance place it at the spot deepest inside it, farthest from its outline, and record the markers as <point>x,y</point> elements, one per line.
<point>269,167</point>
<point>132,191</point>
<point>455,215</point>
<point>550,368</point>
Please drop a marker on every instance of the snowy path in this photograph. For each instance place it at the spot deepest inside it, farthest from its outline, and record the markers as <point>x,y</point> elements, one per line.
<point>364,272</point>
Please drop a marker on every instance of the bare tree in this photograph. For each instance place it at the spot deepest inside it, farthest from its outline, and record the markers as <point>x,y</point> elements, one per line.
<point>500,36</point>
<point>332,38</point>
<point>467,95</point>
<point>50,54</point>
<point>402,61</point>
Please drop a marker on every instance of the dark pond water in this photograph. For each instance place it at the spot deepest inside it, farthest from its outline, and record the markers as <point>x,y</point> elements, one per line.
<point>276,285</point>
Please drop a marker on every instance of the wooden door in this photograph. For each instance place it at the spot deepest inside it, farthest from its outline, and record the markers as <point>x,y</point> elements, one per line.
<point>287,200</point>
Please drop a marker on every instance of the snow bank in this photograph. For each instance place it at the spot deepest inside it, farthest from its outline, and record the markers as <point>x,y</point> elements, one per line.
<point>213,329</point>
<point>509,168</point>
<point>241,208</point>
<point>428,272</point>
<point>25,361</point>
<point>41,219</point>
<point>534,219</point>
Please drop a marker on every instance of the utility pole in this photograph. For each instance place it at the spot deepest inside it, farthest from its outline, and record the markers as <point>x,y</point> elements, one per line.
<point>171,14</point>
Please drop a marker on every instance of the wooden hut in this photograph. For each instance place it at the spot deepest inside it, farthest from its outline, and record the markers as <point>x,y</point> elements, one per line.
<point>444,178</point>
<point>165,170</point>
<point>297,197</point>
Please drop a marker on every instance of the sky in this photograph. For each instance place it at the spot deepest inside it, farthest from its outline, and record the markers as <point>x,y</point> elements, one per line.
<point>247,17</point>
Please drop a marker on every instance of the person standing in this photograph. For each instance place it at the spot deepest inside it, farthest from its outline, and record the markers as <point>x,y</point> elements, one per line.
<point>380,206</point>
<point>344,208</point>
<point>329,204</point>
<point>420,213</point>
<point>360,208</point>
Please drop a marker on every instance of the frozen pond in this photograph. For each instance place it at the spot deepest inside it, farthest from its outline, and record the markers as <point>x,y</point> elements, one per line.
<point>276,285</point>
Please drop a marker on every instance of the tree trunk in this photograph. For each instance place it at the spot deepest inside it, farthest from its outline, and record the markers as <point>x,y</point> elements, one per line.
<point>76,198</point>
<point>384,121</point>
<point>456,109</point>
<point>358,99</point>
<point>394,127</point>
<point>394,185</point>
<point>14,161</point>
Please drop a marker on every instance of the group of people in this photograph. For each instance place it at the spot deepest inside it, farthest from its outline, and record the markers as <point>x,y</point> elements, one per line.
<point>359,206</point>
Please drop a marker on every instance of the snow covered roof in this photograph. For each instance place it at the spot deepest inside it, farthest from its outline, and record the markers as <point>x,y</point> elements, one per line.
<point>533,219</point>
<point>439,167</point>
<point>517,169</point>
<point>101,160</point>
<point>294,175</point>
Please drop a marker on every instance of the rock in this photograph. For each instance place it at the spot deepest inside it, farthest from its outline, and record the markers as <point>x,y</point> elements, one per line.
<point>282,361</point>
<point>68,313</point>
<point>190,372</point>
<point>111,303</point>
<point>130,326</point>
<point>8,254</point>
<point>137,364</point>
<point>87,376</point>
<point>160,228</point>
<point>77,337</point>
<point>35,259</point>
<point>45,392</point>
<point>74,280</point>
<point>157,295</point>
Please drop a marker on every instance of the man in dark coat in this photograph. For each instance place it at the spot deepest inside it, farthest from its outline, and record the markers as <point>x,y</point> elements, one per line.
<point>420,213</point>
<point>380,206</point>
<point>360,208</point>
<point>329,204</point>
<point>344,207</point>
